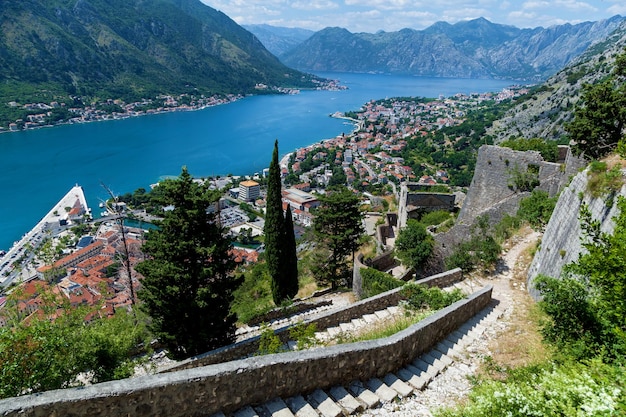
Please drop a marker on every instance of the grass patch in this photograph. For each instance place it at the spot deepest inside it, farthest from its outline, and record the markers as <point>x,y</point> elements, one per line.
<point>385,329</point>
<point>603,181</point>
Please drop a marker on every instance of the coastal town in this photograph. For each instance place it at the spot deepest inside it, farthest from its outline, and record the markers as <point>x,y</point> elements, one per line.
<point>55,112</point>
<point>90,260</point>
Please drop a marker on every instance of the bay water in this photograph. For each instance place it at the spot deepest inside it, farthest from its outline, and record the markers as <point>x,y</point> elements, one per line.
<point>39,166</point>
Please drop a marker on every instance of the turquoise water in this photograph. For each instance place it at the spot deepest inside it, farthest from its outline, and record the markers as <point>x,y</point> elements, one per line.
<point>40,166</point>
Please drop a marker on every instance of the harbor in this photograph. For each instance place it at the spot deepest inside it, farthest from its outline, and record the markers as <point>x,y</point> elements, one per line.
<point>16,264</point>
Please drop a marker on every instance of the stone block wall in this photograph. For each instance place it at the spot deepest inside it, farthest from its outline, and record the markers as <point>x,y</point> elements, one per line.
<point>331,318</point>
<point>445,279</point>
<point>561,242</point>
<point>229,386</point>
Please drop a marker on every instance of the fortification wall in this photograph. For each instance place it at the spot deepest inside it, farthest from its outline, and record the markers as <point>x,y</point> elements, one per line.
<point>229,386</point>
<point>561,243</point>
<point>490,193</point>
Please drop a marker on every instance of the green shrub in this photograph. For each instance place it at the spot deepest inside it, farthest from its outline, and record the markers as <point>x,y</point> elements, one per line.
<point>303,335</point>
<point>537,209</point>
<point>573,389</point>
<point>434,218</point>
<point>375,282</point>
<point>254,297</point>
<point>269,342</point>
<point>601,181</point>
<point>421,297</point>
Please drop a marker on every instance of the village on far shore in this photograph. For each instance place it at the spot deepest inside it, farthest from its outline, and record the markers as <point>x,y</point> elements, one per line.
<point>55,113</point>
<point>77,254</point>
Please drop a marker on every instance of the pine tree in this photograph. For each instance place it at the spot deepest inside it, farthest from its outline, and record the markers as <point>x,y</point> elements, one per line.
<point>187,287</point>
<point>337,227</point>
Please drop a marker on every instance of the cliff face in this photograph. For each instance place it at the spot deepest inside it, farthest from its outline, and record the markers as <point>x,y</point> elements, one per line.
<point>561,243</point>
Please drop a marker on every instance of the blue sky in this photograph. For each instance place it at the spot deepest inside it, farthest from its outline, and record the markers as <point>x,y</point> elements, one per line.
<point>392,15</point>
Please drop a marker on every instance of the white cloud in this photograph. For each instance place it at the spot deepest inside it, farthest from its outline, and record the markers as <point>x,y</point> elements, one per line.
<point>617,9</point>
<point>314,5</point>
<point>391,15</point>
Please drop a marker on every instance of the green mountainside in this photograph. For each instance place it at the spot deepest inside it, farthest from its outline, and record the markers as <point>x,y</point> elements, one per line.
<point>129,49</point>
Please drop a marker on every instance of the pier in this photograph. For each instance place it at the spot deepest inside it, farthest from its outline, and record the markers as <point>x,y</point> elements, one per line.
<point>73,203</point>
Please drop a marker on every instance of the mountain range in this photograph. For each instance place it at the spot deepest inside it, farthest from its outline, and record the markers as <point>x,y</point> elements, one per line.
<point>469,49</point>
<point>545,113</point>
<point>130,49</point>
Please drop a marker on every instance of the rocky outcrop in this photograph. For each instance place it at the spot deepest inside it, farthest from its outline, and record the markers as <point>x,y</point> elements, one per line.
<point>561,243</point>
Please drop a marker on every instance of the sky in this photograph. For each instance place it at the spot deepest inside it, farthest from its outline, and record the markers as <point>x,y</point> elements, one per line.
<point>392,15</point>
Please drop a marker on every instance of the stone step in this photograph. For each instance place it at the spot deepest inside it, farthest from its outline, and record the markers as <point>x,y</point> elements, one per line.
<point>417,381</point>
<point>345,400</point>
<point>246,412</point>
<point>429,370</point>
<point>363,394</point>
<point>393,310</point>
<point>370,318</point>
<point>300,408</point>
<point>382,314</point>
<point>428,358</point>
<point>396,384</point>
<point>324,404</point>
<point>441,357</point>
<point>346,327</point>
<point>333,331</point>
<point>358,323</point>
<point>381,390</point>
<point>278,408</point>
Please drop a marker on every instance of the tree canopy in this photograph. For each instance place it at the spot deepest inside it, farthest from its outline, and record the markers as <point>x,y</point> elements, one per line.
<point>338,225</point>
<point>414,244</point>
<point>599,122</point>
<point>187,288</point>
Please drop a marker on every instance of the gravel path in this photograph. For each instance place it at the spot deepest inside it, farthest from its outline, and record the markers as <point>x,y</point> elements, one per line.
<point>453,385</point>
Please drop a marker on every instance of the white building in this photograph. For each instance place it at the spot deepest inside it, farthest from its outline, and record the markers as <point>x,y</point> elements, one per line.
<point>249,190</point>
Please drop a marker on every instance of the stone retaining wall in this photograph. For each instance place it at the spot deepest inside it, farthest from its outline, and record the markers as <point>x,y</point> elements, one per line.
<point>229,386</point>
<point>329,319</point>
<point>445,279</point>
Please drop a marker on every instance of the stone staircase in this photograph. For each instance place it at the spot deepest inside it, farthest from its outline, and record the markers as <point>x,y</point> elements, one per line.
<point>246,332</point>
<point>357,396</point>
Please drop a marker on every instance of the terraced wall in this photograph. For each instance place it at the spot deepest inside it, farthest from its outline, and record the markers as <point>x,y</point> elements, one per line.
<point>202,391</point>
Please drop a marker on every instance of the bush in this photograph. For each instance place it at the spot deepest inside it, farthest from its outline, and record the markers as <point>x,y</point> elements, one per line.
<point>434,218</point>
<point>269,342</point>
<point>573,389</point>
<point>481,250</point>
<point>376,282</point>
<point>537,209</point>
<point>421,297</point>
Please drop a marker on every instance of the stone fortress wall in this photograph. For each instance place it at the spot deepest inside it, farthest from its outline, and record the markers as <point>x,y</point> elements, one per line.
<point>491,195</point>
<point>561,243</point>
<point>228,386</point>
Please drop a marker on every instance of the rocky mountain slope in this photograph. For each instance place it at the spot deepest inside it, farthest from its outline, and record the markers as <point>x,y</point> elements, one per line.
<point>476,49</point>
<point>130,49</point>
<point>279,40</point>
<point>545,112</point>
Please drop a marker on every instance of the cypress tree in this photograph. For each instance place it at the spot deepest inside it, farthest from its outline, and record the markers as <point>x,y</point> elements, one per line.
<point>275,231</point>
<point>291,257</point>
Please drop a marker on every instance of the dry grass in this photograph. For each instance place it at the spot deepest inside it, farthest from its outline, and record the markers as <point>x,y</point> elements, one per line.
<point>520,343</point>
